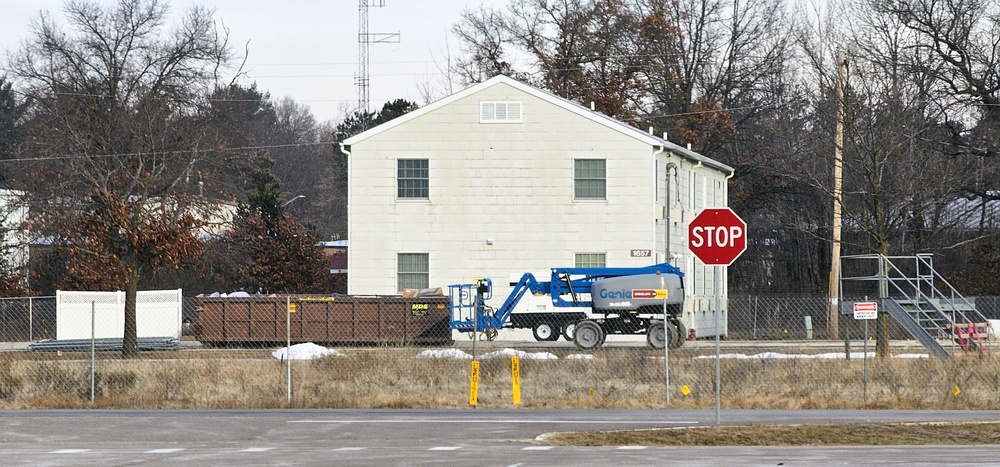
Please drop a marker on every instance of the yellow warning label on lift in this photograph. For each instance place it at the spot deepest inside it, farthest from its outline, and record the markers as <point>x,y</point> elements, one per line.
<point>658,294</point>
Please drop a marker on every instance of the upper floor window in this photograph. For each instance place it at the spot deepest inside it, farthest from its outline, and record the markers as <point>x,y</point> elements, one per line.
<point>589,179</point>
<point>499,112</point>
<point>413,178</point>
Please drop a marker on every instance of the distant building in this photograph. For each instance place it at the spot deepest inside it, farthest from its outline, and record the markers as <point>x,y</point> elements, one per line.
<point>504,178</point>
<point>13,238</point>
<point>336,250</point>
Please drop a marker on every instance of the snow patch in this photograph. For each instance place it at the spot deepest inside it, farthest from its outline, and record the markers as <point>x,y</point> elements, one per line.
<point>306,351</point>
<point>520,354</point>
<point>444,353</point>
<point>781,356</point>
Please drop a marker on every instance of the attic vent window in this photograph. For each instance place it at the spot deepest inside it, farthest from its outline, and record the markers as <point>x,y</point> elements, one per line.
<point>499,112</point>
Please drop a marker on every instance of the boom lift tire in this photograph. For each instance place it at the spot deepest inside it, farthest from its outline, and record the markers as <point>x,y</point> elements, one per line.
<point>545,331</point>
<point>656,336</point>
<point>588,335</point>
<point>567,330</point>
<point>681,336</point>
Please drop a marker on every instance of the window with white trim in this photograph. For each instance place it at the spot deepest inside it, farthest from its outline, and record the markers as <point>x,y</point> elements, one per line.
<point>413,271</point>
<point>590,260</point>
<point>413,178</point>
<point>499,112</point>
<point>590,179</point>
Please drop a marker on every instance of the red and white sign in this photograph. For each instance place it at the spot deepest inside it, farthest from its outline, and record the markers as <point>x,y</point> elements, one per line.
<point>717,236</point>
<point>865,310</point>
<point>649,293</point>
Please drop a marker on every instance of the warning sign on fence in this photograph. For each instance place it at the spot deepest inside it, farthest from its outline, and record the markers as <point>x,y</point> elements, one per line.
<point>865,310</point>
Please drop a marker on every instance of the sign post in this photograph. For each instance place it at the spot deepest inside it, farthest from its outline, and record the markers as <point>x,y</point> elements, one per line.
<point>717,236</point>
<point>666,346</point>
<point>866,311</point>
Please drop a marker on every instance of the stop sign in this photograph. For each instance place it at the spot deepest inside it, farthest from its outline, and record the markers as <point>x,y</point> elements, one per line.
<point>717,236</point>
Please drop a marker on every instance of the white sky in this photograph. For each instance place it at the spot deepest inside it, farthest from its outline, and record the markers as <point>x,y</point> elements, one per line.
<point>308,49</point>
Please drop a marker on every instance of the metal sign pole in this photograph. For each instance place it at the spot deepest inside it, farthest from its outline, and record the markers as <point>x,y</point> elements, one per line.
<point>288,348</point>
<point>718,369</point>
<point>93,358</point>
<point>475,321</point>
<point>864,381</point>
<point>666,345</point>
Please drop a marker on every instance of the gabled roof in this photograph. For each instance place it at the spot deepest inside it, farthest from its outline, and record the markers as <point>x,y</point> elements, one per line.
<point>553,99</point>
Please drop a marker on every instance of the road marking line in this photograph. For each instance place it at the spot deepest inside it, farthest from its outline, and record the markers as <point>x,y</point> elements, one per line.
<point>631,448</point>
<point>350,449</point>
<point>256,449</point>
<point>536,448</point>
<point>70,451</point>
<point>445,448</point>
<point>587,422</point>
<point>164,451</point>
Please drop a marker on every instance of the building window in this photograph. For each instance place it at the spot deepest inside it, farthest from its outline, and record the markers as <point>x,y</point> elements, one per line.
<point>590,260</point>
<point>413,270</point>
<point>499,112</point>
<point>589,179</point>
<point>413,178</point>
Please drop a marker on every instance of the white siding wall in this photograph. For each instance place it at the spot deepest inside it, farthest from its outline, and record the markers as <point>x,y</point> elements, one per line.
<point>512,184</point>
<point>509,183</point>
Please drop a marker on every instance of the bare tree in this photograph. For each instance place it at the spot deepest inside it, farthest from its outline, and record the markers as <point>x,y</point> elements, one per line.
<point>483,34</point>
<point>963,37</point>
<point>116,131</point>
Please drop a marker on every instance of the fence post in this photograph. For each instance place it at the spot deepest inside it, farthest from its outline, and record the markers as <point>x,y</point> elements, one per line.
<point>288,348</point>
<point>93,359</point>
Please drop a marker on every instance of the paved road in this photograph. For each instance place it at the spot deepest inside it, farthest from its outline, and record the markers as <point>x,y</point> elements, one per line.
<point>430,437</point>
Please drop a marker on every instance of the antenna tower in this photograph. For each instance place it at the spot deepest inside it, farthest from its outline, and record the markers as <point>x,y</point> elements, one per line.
<point>365,39</point>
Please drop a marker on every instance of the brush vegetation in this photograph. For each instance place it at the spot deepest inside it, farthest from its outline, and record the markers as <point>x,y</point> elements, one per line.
<point>393,377</point>
<point>895,434</point>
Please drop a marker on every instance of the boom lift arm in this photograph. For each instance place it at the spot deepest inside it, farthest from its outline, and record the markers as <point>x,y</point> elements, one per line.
<point>566,287</point>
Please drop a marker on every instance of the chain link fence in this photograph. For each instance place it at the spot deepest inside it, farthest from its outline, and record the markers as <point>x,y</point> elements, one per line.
<point>371,352</point>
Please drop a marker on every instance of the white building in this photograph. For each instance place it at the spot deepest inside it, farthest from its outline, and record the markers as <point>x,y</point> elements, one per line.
<point>504,178</point>
<point>13,214</point>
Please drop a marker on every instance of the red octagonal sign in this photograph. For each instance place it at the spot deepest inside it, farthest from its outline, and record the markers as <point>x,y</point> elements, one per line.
<point>717,236</point>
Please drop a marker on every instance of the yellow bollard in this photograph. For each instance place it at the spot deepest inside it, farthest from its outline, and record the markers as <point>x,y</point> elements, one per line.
<point>474,384</point>
<point>515,376</point>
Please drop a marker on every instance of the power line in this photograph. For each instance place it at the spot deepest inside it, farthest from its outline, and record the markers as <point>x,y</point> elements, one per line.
<point>160,153</point>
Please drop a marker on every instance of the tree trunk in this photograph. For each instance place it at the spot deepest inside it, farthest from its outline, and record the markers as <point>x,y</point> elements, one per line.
<point>130,340</point>
<point>882,321</point>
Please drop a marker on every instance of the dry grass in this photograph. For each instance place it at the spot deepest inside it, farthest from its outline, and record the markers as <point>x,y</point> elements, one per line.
<point>393,377</point>
<point>807,435</point>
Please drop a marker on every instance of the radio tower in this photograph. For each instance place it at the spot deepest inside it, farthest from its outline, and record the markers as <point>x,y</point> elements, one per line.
<point>365,39</point>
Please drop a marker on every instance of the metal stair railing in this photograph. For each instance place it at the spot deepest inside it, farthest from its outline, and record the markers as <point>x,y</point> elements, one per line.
<point>955,299</point>
<point>943,318</point>
<point>924,310</point>
<point>905,319</point>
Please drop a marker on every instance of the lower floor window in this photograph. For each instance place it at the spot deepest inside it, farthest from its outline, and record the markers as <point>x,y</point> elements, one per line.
<point>413,271</point>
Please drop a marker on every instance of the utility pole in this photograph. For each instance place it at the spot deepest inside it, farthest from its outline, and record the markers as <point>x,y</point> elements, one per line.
<point>365,39</point>
<point>833,313</point>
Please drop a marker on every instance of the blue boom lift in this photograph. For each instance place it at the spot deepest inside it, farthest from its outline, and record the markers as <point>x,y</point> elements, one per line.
<point>639,300</point>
